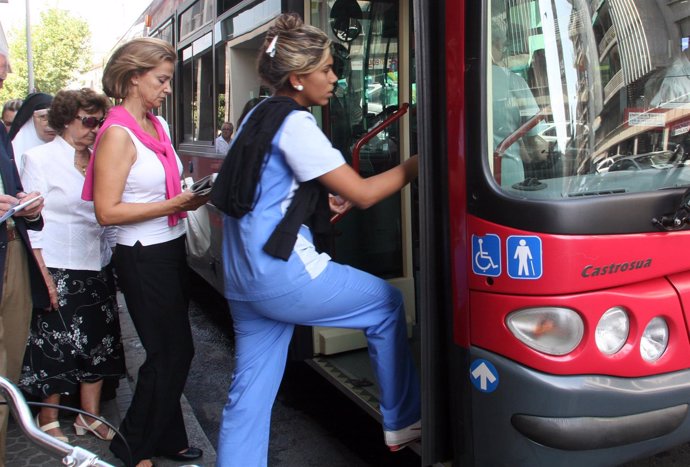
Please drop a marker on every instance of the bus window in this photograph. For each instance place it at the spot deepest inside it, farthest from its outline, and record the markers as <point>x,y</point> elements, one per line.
<point>200,13</point>
<point>366,47</point>
<point>165,33</point>
<point>222,90</point>
<point>197,78</point>
<point>225,5</point>
<point>566,99</point>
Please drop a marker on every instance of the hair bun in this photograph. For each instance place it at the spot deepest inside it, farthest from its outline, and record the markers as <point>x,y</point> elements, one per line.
<point>287,22</point>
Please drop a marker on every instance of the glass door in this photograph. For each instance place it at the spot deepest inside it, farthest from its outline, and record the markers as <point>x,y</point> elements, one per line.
<point>368,55</point>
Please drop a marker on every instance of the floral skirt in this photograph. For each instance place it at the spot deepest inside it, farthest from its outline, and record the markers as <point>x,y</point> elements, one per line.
<point>78,342</point>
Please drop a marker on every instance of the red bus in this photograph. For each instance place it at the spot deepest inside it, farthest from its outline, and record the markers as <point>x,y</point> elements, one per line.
<point>547,292</point>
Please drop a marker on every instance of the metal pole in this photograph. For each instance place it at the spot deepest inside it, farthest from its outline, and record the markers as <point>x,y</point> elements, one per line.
<point>29,55</point>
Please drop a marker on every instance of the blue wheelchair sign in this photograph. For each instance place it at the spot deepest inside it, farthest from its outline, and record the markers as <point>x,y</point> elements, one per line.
<point>486,255</point>
<point>524,257</point>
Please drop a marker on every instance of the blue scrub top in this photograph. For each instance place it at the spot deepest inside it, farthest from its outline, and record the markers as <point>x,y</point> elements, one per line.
<point>299,152</point>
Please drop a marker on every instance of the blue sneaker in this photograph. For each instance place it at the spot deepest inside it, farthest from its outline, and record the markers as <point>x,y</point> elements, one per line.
<point>398,439</point>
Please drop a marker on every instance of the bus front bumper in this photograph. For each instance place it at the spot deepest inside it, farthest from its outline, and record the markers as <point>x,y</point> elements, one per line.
<point>534,418</point>
<point>582,433</point>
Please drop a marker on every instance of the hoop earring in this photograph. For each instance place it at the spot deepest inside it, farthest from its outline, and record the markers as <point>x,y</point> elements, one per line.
<point>299,87</point>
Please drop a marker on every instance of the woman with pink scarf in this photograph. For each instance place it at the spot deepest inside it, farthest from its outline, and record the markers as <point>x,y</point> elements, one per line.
<point>134,181</point>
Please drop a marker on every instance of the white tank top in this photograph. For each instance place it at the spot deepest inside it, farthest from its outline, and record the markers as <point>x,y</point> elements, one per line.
<point>146,184</point>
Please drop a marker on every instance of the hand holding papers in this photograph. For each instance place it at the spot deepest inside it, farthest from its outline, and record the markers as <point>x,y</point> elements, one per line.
<point>15,209</point>
<point>202,187</point>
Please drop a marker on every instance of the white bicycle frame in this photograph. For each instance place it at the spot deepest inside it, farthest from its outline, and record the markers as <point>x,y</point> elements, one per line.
<point>72,456</point>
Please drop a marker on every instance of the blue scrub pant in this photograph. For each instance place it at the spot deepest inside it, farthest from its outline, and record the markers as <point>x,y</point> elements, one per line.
<point>340,296</point>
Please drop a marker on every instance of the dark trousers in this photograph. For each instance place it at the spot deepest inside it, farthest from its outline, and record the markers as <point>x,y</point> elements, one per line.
<point>155,282</point>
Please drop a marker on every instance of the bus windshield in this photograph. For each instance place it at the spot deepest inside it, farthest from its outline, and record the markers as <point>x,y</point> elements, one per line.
<point>587,97</point>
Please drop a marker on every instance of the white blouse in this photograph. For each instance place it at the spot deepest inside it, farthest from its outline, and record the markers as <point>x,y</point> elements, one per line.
<point>71,237</point>
<point>146,184</point>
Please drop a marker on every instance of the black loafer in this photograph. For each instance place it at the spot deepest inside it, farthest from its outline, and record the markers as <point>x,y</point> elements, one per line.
<point>188,454</point>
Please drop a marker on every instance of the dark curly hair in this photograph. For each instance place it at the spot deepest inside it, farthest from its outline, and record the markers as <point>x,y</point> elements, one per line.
<point>67,103</point>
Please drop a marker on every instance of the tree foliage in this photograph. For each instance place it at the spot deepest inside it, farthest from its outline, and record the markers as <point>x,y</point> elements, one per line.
<point>61,47</point>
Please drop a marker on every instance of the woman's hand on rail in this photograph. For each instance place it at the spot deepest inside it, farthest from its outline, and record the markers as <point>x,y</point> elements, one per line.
<point>365,192</point>
<point>338,205</point>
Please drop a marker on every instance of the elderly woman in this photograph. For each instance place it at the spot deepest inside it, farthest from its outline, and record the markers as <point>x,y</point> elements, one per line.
<point>30,126</point>
<point>75,345</point>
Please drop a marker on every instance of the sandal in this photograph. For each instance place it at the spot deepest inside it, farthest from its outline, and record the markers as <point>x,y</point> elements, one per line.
<point>93,428</point>
<point>51,426</point>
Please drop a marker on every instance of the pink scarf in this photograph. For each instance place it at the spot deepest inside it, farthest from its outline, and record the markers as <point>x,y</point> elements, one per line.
<point>162,146</point>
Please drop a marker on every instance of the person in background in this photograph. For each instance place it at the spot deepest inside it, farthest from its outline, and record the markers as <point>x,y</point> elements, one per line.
<point>134,181</point>
<point>21,283</point>
<point>273,183</point>
<point>223,141</point>
<point>30,126</point>
<point>74,346</point>
<point>513,104</point>
<point>9,111</point>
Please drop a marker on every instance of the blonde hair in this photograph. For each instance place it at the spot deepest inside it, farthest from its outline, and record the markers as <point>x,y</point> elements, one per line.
<point>299,48</point>
<point>131,59</point>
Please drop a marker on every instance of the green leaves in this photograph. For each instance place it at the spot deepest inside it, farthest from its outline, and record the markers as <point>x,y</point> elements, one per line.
<point>61,46</point>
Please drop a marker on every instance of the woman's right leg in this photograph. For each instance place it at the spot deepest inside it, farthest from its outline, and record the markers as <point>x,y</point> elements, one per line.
<point>49,415</point>
<point>342,296</point>
<point>260,353</point>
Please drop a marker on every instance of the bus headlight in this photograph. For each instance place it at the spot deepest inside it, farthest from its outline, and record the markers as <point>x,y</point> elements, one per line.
<point>612,331</point>
<point>551,330</point>
<point>654,340</point>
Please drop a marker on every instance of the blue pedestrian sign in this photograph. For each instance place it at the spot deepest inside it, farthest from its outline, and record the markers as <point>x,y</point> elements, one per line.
<point>484,375</point>
<point>486,255</point>
<point>523,257</point>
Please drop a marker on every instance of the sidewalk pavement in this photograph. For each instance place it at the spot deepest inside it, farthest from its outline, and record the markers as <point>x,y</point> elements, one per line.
<point>23,453</point>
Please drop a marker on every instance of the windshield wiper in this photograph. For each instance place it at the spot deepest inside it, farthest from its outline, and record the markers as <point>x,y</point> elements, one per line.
<point>679,156</point>
<point>679,219</point>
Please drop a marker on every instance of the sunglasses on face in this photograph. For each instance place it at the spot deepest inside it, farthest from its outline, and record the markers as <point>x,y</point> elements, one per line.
<point>91,122</point>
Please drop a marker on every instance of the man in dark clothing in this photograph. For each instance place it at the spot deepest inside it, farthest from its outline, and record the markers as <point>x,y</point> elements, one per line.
<point>21,283</point>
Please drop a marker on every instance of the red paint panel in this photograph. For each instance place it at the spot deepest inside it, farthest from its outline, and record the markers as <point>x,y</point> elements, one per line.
<point>581,263</point>
<point>456,141</point>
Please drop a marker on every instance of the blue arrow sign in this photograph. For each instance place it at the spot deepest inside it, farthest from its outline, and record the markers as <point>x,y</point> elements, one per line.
<point>483,375</point>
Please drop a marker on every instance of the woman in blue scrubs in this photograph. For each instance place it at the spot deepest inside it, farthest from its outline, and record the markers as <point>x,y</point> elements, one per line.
<point>274,182</point>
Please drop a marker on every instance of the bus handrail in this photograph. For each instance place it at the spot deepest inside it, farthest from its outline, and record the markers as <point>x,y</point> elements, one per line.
<point>509,140</point>
<point>72,456</point>
<point>392,118</point>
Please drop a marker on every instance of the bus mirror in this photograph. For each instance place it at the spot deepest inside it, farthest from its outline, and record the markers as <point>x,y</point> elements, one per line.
<point>345,16</point>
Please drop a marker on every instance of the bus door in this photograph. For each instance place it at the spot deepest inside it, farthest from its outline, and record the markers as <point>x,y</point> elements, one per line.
<point>376,79</point>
